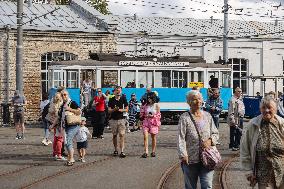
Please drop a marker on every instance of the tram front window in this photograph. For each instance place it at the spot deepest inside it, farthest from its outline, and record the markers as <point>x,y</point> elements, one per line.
<point>127,79</point>
<point>145,79</point>
<point>162,79</point>
<point>196,76</point>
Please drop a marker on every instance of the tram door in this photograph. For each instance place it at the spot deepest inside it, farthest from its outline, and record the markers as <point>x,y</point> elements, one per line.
<point>88,74</point>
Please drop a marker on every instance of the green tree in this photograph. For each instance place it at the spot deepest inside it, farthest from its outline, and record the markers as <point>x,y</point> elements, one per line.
<point>100,5</point>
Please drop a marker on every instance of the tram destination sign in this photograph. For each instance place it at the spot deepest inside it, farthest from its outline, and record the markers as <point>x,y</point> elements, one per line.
<point>151,63</point>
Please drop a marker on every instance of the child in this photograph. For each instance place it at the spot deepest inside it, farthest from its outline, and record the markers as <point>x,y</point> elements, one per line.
<point>81,137</point>
<point>133,106</point>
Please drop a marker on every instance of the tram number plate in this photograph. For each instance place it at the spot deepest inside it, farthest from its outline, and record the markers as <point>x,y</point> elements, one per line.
<point>196,84</point>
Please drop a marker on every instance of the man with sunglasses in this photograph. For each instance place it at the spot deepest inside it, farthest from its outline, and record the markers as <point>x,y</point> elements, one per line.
<point>116,107</point>
<point>236,113</point>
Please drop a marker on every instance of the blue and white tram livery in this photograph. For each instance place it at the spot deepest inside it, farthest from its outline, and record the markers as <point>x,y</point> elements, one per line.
<point>172,78</point>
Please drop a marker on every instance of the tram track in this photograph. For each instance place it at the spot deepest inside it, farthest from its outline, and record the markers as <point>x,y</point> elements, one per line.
<point>223,172</point>
<point>60,173</point>
<point>222,177</point>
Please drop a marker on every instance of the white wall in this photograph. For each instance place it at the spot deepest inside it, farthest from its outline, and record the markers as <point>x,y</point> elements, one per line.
<point>265,56</point>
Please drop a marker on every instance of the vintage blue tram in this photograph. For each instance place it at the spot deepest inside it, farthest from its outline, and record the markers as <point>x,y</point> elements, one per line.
<point>171,77</point>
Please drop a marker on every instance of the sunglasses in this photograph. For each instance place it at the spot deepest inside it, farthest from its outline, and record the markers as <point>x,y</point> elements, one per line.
<point>99,91</point>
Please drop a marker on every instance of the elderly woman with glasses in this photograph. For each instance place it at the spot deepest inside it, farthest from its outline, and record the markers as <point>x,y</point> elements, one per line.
<point>262,147</point>
<point>189,143</point>
<point>69,106</point>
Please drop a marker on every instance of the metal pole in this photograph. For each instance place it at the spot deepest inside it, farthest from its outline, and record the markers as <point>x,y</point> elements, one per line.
<point>30,3</point>
<point>226,31</point>
<point>7,58</point>
<point>19,49</point>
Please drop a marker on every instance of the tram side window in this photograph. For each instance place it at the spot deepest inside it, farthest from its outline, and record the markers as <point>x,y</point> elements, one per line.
<point>145,79</point>
<point>72,79</point>
<point>162,79</point>
<point>127,79</point>
<point>179,79</point>
<point>109,79</point>
<point>57,79</point>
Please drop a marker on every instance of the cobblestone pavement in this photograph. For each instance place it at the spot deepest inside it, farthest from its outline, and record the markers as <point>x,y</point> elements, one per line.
<point>23,162</point>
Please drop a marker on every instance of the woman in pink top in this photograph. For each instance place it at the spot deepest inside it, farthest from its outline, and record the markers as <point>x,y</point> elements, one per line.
<point>99,103</point>
<point>150,114</point>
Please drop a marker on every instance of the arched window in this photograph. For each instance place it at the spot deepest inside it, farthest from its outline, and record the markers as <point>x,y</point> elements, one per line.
<point>46,59</point>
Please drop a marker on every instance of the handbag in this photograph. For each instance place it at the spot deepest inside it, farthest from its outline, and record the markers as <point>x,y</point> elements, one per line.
<point>210,157</point>
<point>73,119</point>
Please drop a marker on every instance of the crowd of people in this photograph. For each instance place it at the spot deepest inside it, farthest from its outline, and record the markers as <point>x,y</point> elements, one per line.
<point>261,141</point>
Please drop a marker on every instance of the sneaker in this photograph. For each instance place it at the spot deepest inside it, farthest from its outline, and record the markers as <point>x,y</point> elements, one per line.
<point>83,161</point>
<point>122,155</point>
<point>235,149</point>
<point>49,142</point>
<point>44,142</point>
<point>62,158</point>
<point>128,130</point>
<point>102,137</point>
<point>17,137</point>
<point>115,153</point>
<point>55,157</point>
<point>94,137</point>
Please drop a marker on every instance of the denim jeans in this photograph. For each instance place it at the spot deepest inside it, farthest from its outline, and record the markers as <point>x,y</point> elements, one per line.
<point>71,131</point>
<point>191,173</point>
<point>45,127</point>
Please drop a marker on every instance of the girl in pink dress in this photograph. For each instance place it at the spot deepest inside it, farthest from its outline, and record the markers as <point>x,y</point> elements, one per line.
<point>151,116</point>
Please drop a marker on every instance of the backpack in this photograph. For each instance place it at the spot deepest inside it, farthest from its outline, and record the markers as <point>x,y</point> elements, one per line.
<point>45,111</point>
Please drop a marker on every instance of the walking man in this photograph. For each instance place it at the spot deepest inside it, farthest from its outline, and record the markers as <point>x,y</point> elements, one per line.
<point>116,107</point>
<point>235,119</point>
<point>19,101</point>
<point>214,106</point>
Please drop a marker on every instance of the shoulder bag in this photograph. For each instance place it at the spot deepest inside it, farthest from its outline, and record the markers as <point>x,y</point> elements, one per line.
<point>72,119</point>
<point>210,157</point>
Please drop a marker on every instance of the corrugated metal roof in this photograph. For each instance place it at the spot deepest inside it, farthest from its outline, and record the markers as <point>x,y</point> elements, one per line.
<point>66,18</point>
<point>193,27</point>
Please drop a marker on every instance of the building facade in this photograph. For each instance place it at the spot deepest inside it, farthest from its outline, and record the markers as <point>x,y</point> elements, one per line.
<point>66,34</point>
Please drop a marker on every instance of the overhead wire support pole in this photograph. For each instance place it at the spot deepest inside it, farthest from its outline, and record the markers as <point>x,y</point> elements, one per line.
<point>226,32</point>
<point>19,49</point>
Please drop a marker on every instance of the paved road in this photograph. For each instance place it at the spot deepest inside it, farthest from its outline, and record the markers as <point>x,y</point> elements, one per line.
<point>23,162</point>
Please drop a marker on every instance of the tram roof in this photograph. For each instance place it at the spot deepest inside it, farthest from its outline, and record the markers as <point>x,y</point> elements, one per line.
<point>90,62</point>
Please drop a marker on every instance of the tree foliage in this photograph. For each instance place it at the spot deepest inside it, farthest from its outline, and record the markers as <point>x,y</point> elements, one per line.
<point>100,5</point>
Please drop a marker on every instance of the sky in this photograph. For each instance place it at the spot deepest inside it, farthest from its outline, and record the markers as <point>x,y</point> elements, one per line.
<point>248,10</point>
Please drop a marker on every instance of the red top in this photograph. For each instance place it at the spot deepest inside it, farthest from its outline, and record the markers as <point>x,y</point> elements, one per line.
<point>100,107</point>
